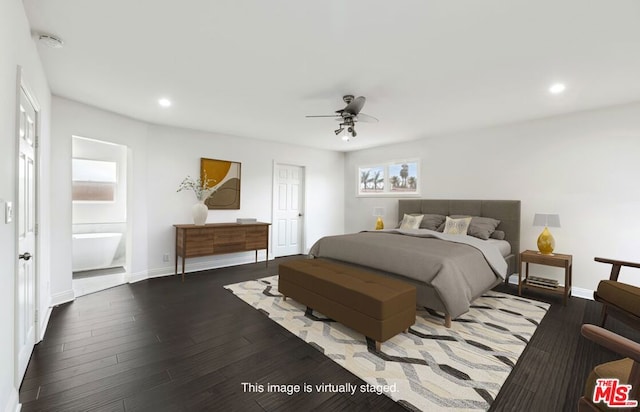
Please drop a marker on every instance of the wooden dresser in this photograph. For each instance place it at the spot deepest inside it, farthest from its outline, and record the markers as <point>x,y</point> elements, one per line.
<point>220,238</point>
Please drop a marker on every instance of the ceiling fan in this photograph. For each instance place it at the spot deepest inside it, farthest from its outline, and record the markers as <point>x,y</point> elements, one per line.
<point>350,115</point>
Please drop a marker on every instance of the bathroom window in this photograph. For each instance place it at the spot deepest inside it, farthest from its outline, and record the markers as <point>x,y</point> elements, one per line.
<point>93,180</point>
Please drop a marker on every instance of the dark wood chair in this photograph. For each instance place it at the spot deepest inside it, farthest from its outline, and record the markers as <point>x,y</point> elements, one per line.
<point>618,299</point>
<point>626,370</point>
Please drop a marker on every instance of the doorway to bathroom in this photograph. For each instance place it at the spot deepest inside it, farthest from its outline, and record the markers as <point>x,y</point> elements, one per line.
<point>99,204</point>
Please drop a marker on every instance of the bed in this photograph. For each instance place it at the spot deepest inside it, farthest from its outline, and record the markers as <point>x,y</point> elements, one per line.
<point>448,271</point>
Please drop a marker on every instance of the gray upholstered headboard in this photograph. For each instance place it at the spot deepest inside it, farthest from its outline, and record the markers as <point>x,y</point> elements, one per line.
<point>506,211</point>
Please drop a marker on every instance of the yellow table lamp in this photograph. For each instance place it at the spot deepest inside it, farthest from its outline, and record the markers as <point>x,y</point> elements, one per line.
<point>546,242</point>
<point>379,212</point>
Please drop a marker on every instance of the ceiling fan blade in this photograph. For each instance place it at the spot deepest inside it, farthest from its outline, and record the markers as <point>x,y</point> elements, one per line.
<point>355,106</point>
<point>325,115</point>
<point>366,118</point>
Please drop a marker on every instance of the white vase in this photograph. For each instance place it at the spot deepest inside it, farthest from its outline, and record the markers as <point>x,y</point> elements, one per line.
<point>200,212</point>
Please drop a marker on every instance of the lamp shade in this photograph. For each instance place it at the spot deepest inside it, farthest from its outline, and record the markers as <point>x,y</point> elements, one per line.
<point>546,220</point>
<point>379,212</point>
<point>546,242</point>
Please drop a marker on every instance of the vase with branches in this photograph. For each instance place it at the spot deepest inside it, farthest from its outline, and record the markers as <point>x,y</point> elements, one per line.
<point>202,188</point>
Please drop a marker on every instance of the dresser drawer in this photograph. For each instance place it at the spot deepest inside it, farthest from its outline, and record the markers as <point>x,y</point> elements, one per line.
<point>199,248</point>
<point>199,235</point>
<point>256,242</point>
<point>257,230</point>
<point>257,237</point>
<point>226,236</point>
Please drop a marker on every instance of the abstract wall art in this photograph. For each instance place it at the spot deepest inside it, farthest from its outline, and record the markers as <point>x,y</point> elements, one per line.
<point>225,175</point>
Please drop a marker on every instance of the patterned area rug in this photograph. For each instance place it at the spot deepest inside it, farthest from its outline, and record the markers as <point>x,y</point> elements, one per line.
<point>429,368</point>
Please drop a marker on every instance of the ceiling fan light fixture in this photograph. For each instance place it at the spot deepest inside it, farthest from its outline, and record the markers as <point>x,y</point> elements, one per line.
<point>348,117</point>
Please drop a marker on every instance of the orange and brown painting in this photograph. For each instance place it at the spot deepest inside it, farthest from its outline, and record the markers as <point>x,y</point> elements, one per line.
<point>225,176</point>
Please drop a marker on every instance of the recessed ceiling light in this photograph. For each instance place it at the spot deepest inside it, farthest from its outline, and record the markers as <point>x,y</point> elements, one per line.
<point>557,88</point>
<point>164,102</point>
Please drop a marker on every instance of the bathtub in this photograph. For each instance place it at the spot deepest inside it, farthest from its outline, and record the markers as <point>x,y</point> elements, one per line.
<point>94,250</point>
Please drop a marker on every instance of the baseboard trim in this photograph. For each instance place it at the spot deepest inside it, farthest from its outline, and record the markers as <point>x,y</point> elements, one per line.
<point>44,322</point>
<point>582,293</point>
<point>220,261</point>
<point>575,292</point>
<point>137,277</point>
<point>62,297</point>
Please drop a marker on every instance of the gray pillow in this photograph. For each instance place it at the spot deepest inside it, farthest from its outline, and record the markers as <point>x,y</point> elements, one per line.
<point>480,227</point>
<point>498,234</point>
<point>429,221</point>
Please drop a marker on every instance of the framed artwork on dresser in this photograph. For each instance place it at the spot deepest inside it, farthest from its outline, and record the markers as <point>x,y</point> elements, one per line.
<point>225,175</point>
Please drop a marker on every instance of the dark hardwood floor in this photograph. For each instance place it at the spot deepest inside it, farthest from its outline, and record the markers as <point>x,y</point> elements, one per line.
<point>161,345</point>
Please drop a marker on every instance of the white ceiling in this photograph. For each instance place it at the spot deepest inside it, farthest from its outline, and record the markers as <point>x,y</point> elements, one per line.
<point>255,68</point>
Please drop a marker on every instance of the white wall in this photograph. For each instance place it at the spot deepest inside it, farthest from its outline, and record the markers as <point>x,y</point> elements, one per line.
<point>17,48</point>
<point>176,153</point>
<point>74,119</point>
<point>160,157</point>
<point>583,166</point>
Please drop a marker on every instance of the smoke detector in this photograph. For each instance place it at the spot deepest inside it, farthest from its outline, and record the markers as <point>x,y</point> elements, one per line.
<point>50,40</point>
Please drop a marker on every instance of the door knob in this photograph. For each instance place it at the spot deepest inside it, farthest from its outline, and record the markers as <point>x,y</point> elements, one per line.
<point>300,214</point>
<point>25,256</point>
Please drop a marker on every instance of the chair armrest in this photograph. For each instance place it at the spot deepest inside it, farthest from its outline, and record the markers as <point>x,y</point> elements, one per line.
<point>612,341</point>
<point>617,264</point>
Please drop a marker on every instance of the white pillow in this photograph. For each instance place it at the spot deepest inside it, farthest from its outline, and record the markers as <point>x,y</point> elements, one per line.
<point>457,226</point>
<point>411,222</point>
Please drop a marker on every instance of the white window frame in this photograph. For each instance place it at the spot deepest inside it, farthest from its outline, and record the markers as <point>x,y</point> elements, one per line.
<point>388,191</point>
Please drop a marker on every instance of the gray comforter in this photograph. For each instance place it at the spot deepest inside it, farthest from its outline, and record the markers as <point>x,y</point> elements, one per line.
<point>459,268</point>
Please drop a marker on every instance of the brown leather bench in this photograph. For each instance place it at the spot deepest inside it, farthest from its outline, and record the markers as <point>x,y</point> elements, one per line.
<point>374,305</point>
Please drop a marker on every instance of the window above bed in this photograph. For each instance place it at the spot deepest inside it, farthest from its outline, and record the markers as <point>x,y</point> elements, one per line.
<point>395,178</point>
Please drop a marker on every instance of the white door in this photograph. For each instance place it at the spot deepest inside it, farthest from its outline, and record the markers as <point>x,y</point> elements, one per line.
<point>26,231</point>
<point>288,210</point>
